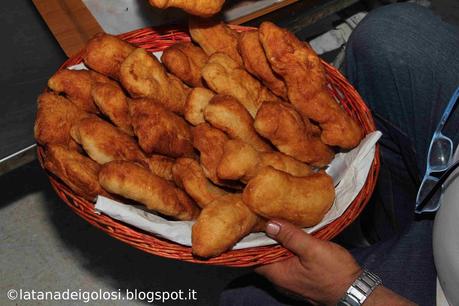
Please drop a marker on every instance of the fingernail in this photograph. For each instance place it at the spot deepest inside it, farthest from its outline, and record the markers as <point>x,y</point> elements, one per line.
<point>272,229</point>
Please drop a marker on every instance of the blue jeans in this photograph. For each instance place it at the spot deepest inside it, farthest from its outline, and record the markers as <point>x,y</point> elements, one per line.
<point>403,61</point>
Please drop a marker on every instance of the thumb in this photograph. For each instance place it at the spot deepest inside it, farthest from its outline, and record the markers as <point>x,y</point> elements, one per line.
<point>290,236</point>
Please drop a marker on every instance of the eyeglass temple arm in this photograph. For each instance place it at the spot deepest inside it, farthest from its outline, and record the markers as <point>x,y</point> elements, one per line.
<point>437,185</point>
<point>448,110</point>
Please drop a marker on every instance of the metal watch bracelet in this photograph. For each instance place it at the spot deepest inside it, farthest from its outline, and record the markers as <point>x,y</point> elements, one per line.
<point>360,289</point>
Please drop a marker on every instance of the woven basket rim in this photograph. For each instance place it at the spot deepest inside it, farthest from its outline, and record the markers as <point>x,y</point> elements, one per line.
<point>157,39</point>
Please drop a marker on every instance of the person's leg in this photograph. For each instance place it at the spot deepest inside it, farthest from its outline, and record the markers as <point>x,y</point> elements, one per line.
<point>402,60</point>
<point>378,49</point>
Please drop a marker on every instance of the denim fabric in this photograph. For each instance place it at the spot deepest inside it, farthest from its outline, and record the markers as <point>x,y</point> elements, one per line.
<point>404,62</point>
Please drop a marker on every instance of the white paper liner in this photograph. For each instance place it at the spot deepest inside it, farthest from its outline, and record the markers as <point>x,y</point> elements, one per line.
<point>349,171</point>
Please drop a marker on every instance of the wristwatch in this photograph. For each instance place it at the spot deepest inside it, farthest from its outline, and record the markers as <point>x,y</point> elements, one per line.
<point>362,287</point>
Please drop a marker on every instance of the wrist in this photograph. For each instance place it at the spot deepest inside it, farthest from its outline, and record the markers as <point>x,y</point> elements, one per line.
<point>360,289</point>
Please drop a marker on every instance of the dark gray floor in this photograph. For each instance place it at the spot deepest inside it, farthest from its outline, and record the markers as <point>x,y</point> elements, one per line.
<point>45,246</point>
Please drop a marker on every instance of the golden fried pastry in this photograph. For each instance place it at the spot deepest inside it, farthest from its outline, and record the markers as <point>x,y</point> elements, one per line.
<point>134,182</point>
<point>76,85</point>
<point>220,225</point>
<point>104,53</point>
<point>185,61</point>
<point>195,104</point>
<point>209,142</point>
<point>104,142</point>
<point>215,36</point>
<point>300,200</point>
<point>75,170</point>
<point>313,128</point>
<point>143,76</point>
<point>161,166</point>
<point>285,163</point>
<point>260,226</point>
<point>240,161</point>
<point>160,130</point>
<point>55,116</point>
<point>189,175</point>
<point>304,75</point>
<point>97,77</point>
<point>203,8</point>
<point>256,63</point>
<point>227,114</point>
<point>287,130</point>
<point>113,103</point>
<point>227,77</point>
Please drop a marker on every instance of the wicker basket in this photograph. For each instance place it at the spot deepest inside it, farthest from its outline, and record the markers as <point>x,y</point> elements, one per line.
<point>156,40</point>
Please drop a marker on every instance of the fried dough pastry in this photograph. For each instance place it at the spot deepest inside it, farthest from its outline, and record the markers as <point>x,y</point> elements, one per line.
<point>75,170</point>
<point>215,36</point>
<point>55,116</point>
<point>195,104</point>
<point>113,103</point>
<point>143,76</point>
<point>185,61</point>
<point>97,77</point>
<point>227,114</point>
<point>287,130</point>
<point>240,161</point>
<point>104,53</point>
<point>209,142</point>
<point>189,175</point>
<point>161,166</point>
<point>203,8</point>
<point>300,200</point>
<point>304,75</point>
<point>313,128</point>
<point>134,182</point>
<point>256,63</point>
<point>160,130</point>
<point>226,77</point>
<point>76,85</point>
<point>221,225</point>
<point>104,142</point>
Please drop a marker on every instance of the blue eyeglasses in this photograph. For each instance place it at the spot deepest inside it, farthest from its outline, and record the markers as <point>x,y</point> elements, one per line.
<point>439,159</point>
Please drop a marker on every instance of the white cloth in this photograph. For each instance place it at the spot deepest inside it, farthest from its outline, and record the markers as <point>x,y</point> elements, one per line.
<point>338,36</point>
<point>349,171</point>
<point>446,239</point>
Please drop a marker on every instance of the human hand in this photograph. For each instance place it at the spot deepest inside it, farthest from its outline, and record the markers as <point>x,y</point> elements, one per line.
<point>321,271</point>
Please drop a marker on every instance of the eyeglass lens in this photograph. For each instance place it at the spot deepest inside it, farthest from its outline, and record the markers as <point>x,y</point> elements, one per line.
<point>434,202</point>
<point>440,153</point>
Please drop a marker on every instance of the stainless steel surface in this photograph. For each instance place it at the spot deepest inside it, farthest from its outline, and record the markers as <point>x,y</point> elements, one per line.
<point>18,159</point>
<point>29,56</point>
